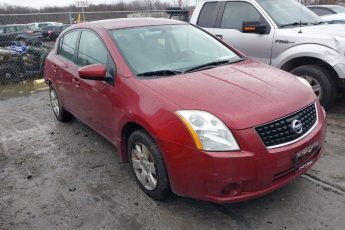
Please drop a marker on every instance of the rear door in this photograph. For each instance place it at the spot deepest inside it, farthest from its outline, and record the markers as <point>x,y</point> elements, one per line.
<point>229,27</point>
<point>95,98</point>
<point>66,71</point>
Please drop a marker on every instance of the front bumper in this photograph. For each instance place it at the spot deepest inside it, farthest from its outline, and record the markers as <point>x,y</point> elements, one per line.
<point>224,177</point>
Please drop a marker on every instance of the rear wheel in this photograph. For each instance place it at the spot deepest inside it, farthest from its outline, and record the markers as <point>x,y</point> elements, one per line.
<point>148,166</point>
<point>60,113</point>
<point>320,80</point>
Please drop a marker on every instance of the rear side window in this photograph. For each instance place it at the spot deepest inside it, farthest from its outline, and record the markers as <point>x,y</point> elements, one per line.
<point>91,50</point>
<point>2,30</point>
<point>235,13</point>
<point>208,15</point>
<point>68,44</point>
<point>321,12</point>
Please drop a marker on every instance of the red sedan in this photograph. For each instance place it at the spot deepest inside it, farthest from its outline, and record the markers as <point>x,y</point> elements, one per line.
<point>189,113</point>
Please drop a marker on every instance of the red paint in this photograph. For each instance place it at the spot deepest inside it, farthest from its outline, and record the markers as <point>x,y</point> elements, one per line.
<point>95,72</point>
<point>242,95</point>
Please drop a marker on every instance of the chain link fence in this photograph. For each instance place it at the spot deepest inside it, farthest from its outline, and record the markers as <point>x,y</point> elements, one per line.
<point>26,40</point>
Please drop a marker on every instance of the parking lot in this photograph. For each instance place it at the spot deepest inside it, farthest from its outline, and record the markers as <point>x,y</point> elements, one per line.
<point>66,176</point>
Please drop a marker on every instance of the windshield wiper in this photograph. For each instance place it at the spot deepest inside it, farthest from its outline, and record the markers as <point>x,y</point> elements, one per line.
<point>166,72</point>
<point>295,24</point>
<point>208,65</point>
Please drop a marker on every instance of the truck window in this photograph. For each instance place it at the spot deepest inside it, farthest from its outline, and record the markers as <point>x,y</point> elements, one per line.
<point>235,13</point>
<point>208,15</point>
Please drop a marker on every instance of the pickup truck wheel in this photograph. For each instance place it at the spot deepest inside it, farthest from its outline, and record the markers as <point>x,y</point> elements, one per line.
<point>148,166</point>
<point>60,113</point>
<point>321,82</point>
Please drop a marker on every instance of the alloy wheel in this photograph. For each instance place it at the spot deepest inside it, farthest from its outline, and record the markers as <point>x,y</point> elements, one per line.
<point>315,85</point>
<point>54,101</point>
<point>144,166</point>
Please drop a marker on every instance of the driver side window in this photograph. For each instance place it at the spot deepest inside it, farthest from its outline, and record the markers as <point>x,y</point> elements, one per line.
<point>235,13</point>
<point>93,51</point>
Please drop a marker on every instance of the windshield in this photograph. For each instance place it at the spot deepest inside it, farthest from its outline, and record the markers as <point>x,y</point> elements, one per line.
<point>338,9</point>
<point>289,12</point>
<point>32,26</point>
<point>173,48</point>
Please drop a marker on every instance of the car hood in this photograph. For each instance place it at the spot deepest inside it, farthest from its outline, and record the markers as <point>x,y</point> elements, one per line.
<point>243,95</point>
<point>324,30</point>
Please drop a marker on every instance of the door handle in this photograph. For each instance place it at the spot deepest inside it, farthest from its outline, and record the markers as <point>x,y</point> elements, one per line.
<point>76,82</point>
<point>54,68</point>
<point>219,36</point>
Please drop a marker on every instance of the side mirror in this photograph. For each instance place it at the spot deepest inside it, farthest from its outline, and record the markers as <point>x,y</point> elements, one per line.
<point>93,72</point>
<point>254,27</point>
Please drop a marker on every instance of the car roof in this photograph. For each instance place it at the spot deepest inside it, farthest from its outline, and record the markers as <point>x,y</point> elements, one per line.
<point>121,23</point>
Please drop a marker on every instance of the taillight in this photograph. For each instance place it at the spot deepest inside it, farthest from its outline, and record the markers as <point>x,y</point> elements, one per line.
<point>30,32</point>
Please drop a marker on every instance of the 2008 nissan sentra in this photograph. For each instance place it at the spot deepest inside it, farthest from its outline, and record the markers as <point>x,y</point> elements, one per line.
<point>189,113</point>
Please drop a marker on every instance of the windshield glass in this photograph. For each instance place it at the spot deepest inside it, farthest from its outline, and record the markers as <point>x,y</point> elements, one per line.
<point>32,26</point>
<point>286,12</point>
<point>338,9</point>
<point>170,47</point>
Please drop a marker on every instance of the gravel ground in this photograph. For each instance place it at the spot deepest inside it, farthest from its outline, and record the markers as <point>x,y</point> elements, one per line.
<point>65,176</point>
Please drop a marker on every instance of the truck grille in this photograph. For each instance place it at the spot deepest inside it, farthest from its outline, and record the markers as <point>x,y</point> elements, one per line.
<point>288,129</point>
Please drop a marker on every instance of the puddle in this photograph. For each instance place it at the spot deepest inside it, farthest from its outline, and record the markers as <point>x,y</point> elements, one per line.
<point>23,88</point>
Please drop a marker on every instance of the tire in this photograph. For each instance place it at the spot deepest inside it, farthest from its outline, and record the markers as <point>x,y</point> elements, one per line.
<point>9,73</point>
<point>317,75</point>
<point>152,164</point>
<point>60,113</point>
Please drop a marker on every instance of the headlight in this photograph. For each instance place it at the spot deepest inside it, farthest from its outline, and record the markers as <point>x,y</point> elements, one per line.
<point>305,82</point>
<point>208,132</point>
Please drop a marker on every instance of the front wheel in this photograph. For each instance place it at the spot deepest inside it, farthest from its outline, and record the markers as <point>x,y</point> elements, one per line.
<point>320,80</point>
<point>148,165</point>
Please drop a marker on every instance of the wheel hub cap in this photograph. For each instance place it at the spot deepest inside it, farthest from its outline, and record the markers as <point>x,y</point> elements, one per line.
<point>144,166</point>
<point>315,85</point>
<point>54,102</point>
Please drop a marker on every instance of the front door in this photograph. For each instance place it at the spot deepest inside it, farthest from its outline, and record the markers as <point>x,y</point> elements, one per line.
<point>256,46</point>
<point>95,98</point>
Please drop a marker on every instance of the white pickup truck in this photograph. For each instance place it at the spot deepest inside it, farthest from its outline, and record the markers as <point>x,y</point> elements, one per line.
<point>284,34</point>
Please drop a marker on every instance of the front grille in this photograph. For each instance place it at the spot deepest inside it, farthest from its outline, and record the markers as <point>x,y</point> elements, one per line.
<point>288,129</point>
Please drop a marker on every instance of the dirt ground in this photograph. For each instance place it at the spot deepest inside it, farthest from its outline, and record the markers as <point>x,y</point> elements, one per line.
<point>65,176</point>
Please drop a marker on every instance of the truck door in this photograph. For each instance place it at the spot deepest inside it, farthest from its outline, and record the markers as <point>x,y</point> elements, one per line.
<point>229,28</point>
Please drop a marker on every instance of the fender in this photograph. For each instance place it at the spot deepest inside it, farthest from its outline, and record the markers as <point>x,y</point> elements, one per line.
<point>324,53</point>
<point>131,118</point>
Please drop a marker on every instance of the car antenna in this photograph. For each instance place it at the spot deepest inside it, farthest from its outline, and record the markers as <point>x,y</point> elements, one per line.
<point>300,18</point>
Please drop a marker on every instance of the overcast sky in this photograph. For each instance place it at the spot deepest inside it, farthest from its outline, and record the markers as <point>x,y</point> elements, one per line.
<point>43,3</point>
